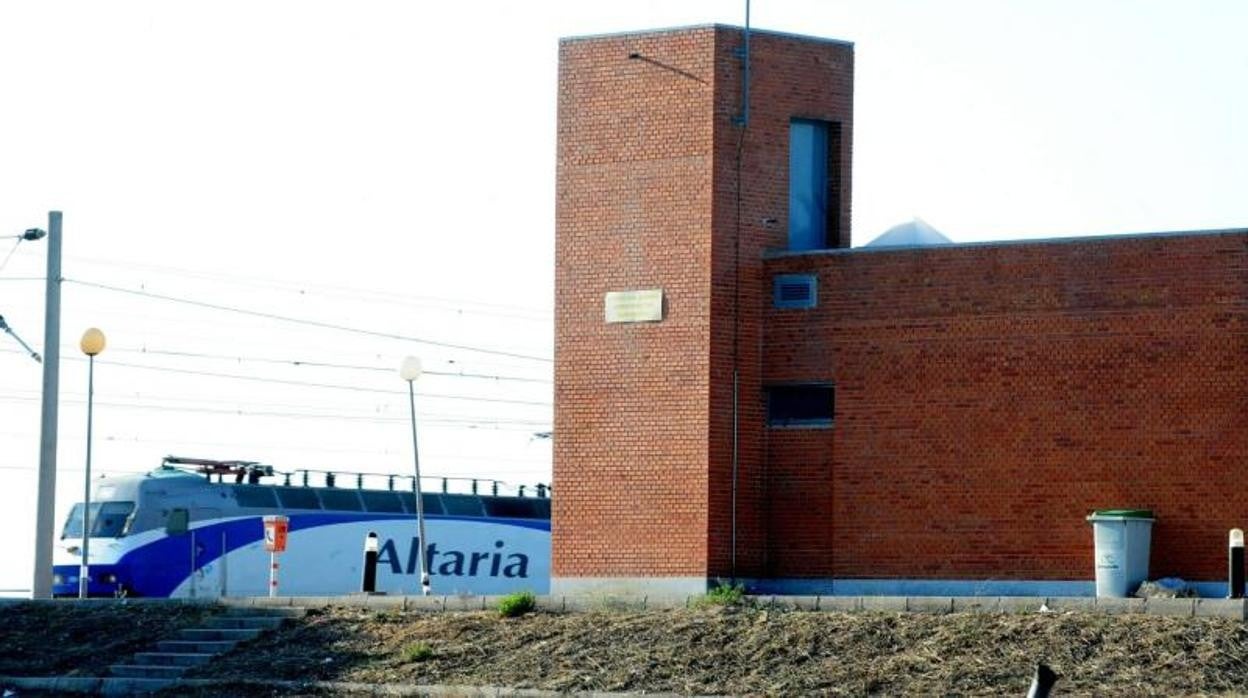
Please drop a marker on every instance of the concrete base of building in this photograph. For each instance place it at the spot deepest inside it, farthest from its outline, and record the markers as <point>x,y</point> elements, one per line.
<point>658,588</point>
<point>945,587</point>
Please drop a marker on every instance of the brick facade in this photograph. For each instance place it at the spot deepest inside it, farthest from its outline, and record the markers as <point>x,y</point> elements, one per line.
<point>990,396</point>
<point>987,396</point>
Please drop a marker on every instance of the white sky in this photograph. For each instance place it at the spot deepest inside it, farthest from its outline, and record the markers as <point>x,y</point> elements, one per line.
<point>390,166</point>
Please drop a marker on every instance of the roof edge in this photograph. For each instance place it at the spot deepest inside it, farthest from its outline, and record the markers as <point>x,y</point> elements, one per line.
<point>1073,239</point>
<point>692,27</point>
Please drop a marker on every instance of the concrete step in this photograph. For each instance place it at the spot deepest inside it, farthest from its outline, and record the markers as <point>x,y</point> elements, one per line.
<point>236,634</point>
<point>173,658</point>
<point>261,622</point>
<point>115,686</point>
<point>270,611</point>
<point>196,646</point>
<point>147,671</point>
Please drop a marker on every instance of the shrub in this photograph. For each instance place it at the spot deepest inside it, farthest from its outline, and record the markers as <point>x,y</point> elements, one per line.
<point>417,652</point>
<point>722,595</point>
<point>517,604</point>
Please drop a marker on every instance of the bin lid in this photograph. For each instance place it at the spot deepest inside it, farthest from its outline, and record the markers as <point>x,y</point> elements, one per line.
<point>1123,513</point>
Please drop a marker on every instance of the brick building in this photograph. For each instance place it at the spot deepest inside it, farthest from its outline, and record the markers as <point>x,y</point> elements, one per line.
<point>740,395</point>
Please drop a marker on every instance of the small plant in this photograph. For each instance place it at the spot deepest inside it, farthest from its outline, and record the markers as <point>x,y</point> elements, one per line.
<point>722,595</point>
<point>417,652</point>
<point>517,604</point>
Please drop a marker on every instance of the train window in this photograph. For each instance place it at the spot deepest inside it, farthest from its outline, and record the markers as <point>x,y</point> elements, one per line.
<point>433,505</point>
<point>255,496</point>
<point>382,501</point>
<point>514,508</point>
<point>111,519</point>
<point>108,520</point>
<point>297,498</point>
<point>462,505</point>
<point>342,500</point>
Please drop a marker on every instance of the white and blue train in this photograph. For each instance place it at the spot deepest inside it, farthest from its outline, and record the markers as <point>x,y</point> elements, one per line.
<point>174,533</point>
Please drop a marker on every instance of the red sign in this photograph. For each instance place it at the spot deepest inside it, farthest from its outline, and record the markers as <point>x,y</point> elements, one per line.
<point>275,528</point>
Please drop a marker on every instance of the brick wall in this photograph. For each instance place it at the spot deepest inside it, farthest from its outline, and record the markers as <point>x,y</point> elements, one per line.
<point>791,77</point>
<point>633,212</point>
<point>989,396</point>
<point>648,198</point>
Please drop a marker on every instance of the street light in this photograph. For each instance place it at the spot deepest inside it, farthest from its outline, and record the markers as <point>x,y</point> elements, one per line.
<point>409,370</point>
<point>92,343</point>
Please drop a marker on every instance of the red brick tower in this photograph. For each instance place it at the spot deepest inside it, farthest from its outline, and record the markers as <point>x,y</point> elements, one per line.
<point>669,192</point>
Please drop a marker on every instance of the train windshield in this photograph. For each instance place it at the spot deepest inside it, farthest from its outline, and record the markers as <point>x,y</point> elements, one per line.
<point>108,520</point>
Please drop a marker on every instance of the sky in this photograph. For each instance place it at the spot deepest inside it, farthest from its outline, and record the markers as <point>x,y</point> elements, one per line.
<point>267,205</point>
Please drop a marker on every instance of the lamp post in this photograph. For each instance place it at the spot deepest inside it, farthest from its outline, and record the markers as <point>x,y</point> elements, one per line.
<point>92,343</point>
<point>409,370</point>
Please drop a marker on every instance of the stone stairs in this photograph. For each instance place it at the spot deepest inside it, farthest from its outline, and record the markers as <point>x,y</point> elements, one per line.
<point>170,659</point>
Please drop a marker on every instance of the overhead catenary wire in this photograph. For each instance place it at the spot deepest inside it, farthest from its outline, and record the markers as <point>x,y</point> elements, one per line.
<point>311,384</point>
<point>249,406</point>
<point>318,364</point>
<point>308,322</point>
<point>467,423</point>
<point>301,288</point>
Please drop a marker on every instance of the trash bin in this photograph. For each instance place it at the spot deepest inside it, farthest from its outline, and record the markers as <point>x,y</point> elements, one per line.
<point>1122,538</point>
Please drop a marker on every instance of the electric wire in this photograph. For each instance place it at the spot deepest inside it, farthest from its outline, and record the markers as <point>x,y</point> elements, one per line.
<point>316,364</point>
<point>465,423</point>
<point>310,384</point>
<point>9,256</point>
<point>309,323</point>
<point>328,290</point>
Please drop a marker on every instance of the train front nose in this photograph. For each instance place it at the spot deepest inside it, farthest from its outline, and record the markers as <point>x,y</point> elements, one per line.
<point>104,580</point>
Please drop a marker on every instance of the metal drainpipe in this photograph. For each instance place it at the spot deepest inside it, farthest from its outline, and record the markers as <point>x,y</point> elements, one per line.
<point>736,301</point>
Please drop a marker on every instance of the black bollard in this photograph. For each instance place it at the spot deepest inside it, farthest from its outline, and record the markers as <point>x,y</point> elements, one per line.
<point>1042,683</point>
<point>1235,565</point>
<point>371,546</point>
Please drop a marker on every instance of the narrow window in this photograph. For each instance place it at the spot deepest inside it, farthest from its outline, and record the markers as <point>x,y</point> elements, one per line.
<point>804,405</point>
<point>814,201</point>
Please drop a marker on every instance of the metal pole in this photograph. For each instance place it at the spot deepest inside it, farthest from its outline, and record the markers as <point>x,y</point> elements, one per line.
<point>1235,565</point>
<point>420,504</point>
<point>45,503</point>
<point>368,585</point>
<point>1042,682</point>
<point>272,574</point>
<point>84,570</point>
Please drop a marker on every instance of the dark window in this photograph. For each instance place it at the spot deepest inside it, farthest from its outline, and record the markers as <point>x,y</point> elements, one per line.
<point>433,505</point>
<point>255,496</point>
<point>382,500</point>
<point>810,405</point>
<point>517,508</point>
<point>462,505</point>
<point>814,196</point>
<point>297,498</point>
<point>341,500</point>
<point>794,290</point>
<point>108,520</point>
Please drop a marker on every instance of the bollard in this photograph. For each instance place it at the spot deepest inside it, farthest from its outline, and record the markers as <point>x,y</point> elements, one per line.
<point>1042,683</point>
<point>1235,565</point>
<point>371,546</point>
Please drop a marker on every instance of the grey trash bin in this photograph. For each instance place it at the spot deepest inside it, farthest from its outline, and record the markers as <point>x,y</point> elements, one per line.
<point>1122,538</point>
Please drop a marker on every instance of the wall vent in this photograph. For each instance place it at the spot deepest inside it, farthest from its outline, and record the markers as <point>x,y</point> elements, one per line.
<point>795,290</point>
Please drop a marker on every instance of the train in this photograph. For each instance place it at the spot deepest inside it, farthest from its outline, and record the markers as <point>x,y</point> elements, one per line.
<point>176,532</point>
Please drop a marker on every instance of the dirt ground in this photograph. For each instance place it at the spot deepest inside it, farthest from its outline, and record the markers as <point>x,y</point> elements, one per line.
<point>722,650</point>
<point>715,650</point>
<point>82,639</point>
